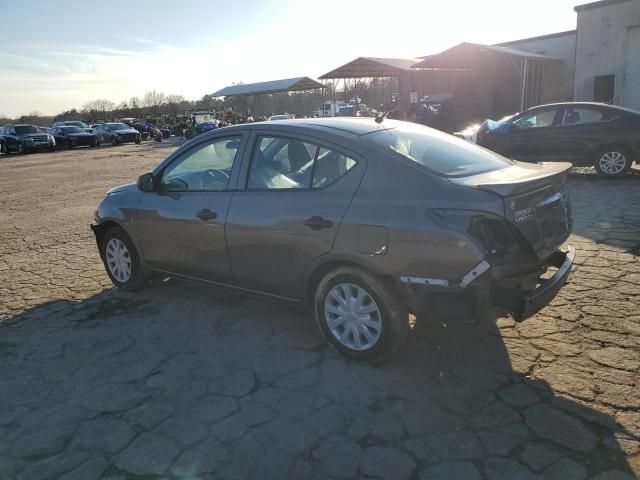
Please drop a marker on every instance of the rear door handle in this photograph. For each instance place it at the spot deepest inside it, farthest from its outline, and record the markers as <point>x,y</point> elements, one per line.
<point>318,223</point>
<point>206,215</point>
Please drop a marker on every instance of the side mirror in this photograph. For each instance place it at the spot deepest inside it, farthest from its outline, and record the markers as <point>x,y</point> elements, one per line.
<point>145,182</point>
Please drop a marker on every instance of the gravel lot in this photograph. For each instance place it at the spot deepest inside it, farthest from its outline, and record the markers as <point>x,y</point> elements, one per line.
<point>185,382</point>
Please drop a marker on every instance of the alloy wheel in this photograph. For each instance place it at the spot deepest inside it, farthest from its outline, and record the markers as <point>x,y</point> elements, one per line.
<point>612,163</point>
<point>353,317</point>
<point>118,260</point>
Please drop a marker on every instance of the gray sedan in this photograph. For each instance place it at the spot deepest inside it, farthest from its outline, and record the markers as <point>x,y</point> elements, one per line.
<point>365,221</point>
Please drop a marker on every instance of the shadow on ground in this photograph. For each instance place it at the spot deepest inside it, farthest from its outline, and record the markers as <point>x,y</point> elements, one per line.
<point>185,382</point>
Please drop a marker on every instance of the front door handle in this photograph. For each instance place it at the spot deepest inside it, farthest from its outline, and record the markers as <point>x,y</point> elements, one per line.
<point>318,223</point>
<point>206,215</point>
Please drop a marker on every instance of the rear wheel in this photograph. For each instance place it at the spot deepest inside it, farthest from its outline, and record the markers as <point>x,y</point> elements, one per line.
<point>360,314</point>
<point>612,161</point>
<point>121,260</point>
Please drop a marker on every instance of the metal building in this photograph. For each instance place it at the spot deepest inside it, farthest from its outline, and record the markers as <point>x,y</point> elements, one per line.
<point>607,66</point>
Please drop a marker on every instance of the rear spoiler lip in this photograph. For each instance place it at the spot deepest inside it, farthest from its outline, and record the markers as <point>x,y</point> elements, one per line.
<point>516,179</point>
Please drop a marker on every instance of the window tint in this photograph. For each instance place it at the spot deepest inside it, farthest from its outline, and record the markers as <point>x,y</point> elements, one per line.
<point>281,163</point>
<point>577,116</point>
<point>205,168</point>
<point>538,119</point>
<point>330,165</point>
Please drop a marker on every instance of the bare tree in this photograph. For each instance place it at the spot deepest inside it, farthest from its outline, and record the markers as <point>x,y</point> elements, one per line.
<point>153,99</point>
<point>99,105</point>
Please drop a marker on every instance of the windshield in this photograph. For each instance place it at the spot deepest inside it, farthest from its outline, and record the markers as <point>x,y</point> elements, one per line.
<point>72,130</point>
<point>23,129</point>
<point>204,118</point>
<point>77,124</point>
<point>438,151</point>
<point>494,125</point>
<point>119,126</point>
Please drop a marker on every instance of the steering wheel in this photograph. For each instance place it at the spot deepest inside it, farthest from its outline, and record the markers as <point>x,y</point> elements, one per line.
<point>215,176</point>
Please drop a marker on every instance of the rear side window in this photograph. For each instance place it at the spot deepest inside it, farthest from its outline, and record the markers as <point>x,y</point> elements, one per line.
<point>284,163</point>
<point>440,152</point>
<point>579,116</point>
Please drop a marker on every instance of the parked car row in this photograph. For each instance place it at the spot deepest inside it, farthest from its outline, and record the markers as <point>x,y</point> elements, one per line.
<point>23,138</point>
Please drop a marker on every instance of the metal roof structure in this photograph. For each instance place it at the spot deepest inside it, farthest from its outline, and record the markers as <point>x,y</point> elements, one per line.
<point>273,86</point>
<point>601,3</point>
<point>371,67</point>
<point>460,56</point>
<point>539,37</point>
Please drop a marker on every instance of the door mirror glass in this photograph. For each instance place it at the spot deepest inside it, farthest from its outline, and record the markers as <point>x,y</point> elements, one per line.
<point>145,182</point>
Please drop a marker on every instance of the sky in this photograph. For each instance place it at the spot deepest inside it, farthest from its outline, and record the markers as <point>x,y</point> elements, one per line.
<point>60,54</point>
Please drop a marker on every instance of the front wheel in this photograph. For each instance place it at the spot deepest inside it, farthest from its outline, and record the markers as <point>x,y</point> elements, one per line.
<point>612,161</point>
<point>138,140</point>
<point>360,315</point>
<point>3,148</point>
<point>114,141</point>
<point>121,260</point>
<point>21,148</point>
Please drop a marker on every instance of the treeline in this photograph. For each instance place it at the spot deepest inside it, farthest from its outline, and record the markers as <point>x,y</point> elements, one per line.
<point>372,92</point>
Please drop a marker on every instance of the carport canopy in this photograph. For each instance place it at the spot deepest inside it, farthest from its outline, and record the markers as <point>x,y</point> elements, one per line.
<point>370,67</point>
<point>465,55</point>
<point>273,86</point>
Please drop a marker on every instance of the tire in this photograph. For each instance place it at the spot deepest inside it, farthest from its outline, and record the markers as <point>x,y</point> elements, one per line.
<point>612,161</point>
<point>384,310</point>
<point>67,145</point>
<point>115,260</point>
<point>3,148</point>
<point>52,149</point>
<point>138,140</point>
<point>114,141</point>
<point>21,148</point>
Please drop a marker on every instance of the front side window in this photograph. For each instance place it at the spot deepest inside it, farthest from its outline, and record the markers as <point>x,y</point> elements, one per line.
<point>119,126</point>
<point>543,118</point>
<point>207,167</point>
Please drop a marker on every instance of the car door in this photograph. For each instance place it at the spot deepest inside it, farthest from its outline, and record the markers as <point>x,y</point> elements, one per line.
<point>531,136</point>
<point>291,197</point>
<point>583,128</point>
<point>181,225</point>
<point>10,137</point>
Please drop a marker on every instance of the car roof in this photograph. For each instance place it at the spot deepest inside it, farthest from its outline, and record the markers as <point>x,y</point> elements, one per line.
<point>586,104</point>
<point>353,126</point>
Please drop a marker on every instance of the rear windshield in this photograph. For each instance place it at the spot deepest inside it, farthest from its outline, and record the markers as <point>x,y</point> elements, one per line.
<point>72,130</point>
<point>440,152</point>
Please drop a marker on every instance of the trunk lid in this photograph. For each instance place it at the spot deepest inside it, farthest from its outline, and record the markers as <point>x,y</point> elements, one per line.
<point>536,201</point>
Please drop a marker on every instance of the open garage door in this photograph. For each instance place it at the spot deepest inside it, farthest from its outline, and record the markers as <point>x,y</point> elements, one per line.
<point>632,71</point>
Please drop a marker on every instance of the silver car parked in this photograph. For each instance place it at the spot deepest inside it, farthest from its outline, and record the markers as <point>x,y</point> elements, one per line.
<point>365,220</point>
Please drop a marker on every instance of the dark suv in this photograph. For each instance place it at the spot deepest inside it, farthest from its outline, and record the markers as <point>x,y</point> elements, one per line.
<point>25,138</point>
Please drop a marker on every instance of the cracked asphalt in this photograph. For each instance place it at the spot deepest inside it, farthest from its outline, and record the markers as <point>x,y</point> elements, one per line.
<point>182,381</point>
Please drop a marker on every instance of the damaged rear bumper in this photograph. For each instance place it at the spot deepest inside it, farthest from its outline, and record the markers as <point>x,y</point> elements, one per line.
<point>485,286</point>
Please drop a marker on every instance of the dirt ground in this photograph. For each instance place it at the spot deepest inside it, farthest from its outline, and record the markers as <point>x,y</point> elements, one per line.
<point>181,381</point>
